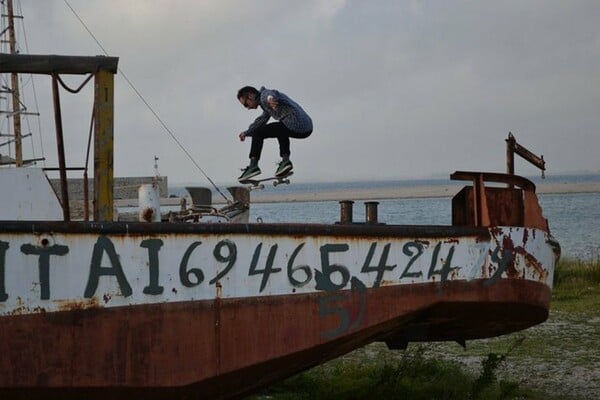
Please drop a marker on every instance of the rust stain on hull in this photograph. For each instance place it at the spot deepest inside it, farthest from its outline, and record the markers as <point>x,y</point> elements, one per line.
<point>204,349</point>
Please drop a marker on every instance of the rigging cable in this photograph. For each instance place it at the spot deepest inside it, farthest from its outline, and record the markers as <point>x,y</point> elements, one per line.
<point>35,98</point>
<point>166,128</point>
<point>27,121</point>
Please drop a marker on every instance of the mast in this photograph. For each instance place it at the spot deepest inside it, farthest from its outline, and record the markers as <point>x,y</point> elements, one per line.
<point>16,108</point>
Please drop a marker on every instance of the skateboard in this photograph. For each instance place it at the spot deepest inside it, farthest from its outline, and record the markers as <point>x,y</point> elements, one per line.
<point>258,183</point>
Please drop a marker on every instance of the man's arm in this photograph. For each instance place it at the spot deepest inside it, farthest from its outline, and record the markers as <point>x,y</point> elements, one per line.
<point>258,122</point>
<point>274,99</point>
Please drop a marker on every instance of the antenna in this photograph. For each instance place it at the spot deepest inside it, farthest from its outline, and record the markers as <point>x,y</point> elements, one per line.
<point>156,174</point>
<point>15,88</point>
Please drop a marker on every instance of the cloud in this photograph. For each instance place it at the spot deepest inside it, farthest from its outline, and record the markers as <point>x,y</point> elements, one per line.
<point>396,89</point>
<point>328,9</point>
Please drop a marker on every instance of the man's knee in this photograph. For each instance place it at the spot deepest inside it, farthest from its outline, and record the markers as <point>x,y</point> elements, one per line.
<point>302,135</point>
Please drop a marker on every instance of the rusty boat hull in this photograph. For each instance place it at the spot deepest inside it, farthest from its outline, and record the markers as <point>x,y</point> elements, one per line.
<point>186,309</point>
<point>113,353</point>
<point>220,310</point>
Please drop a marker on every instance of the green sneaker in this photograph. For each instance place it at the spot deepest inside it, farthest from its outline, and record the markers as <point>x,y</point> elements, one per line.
<point>248,173</point>
<point>285,167</point>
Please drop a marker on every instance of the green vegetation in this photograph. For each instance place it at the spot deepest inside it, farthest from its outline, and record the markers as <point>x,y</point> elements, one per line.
<point>576,287</point>
<point>549,357</point>
<point>412,375</point>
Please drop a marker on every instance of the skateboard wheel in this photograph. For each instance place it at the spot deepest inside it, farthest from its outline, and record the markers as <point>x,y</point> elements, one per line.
<point>275,183</point>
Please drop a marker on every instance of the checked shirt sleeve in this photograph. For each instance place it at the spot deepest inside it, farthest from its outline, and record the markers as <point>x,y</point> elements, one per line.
<point>258,122</point>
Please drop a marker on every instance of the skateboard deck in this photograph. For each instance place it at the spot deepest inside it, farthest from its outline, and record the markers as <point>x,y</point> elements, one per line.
<point>258,183</point>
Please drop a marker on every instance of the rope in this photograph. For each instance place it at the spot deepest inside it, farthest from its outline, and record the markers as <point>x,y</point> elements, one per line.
<point>74,91</point>
<point>150,107</point>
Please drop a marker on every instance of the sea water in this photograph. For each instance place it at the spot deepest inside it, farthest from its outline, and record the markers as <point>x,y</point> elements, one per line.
<point>574,221</point>
<point>574,218</point>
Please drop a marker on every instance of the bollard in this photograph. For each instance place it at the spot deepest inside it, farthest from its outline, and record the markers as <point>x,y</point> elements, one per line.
<point>346,211</point>
<point>201,198</point>
<point>149,203</point>
<point>371,212</point>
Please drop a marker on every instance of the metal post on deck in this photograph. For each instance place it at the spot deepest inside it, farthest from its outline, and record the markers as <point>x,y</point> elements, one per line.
<point>510,154</point>
<point>61,150</point>
<point>346,211</point>
<point>103,145</point>
<point>371,212</point>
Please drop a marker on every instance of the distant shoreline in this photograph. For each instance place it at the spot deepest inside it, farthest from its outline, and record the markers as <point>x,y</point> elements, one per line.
<point>386,193</point>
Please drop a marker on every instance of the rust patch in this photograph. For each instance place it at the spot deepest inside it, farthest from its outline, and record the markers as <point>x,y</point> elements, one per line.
<point>22,309</point>
<point>454,273</point>
<point>147,214</point>
<point>70,305</point>
<point>532,262</point>
<point>219,288</point>
<point>496,231</point>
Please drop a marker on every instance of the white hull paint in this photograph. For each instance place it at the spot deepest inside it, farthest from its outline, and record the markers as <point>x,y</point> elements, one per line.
<point>62,271</point>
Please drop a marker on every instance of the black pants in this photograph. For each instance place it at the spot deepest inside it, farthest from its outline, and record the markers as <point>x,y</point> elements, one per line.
<point>274,130</point>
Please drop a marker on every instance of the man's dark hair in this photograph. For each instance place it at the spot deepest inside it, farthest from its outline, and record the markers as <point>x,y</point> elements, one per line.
<point>246,90</point>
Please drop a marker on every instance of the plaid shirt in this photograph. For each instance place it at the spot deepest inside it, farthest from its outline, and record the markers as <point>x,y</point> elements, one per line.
<point>288,112</point>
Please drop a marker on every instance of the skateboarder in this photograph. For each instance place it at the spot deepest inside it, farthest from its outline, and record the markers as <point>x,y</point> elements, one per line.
<point>292,122</point>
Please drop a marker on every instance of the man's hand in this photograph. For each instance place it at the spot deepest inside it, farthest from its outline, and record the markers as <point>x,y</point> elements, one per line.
<point>242,136</point>
<point>272,102</point>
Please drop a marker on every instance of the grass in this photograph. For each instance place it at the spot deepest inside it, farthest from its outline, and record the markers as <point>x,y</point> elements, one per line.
<point>382,376</point>
<point>558,359</point>
<point>412,375</point>
<point>576,287</point>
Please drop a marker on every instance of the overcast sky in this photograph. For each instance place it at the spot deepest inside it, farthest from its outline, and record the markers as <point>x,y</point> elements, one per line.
<point>396,89</point>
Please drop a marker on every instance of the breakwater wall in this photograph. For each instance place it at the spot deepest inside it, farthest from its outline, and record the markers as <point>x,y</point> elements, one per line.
<point>124,187</point>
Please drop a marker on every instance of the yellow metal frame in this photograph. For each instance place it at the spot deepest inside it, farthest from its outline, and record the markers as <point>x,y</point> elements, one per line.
<point>103,145</point>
